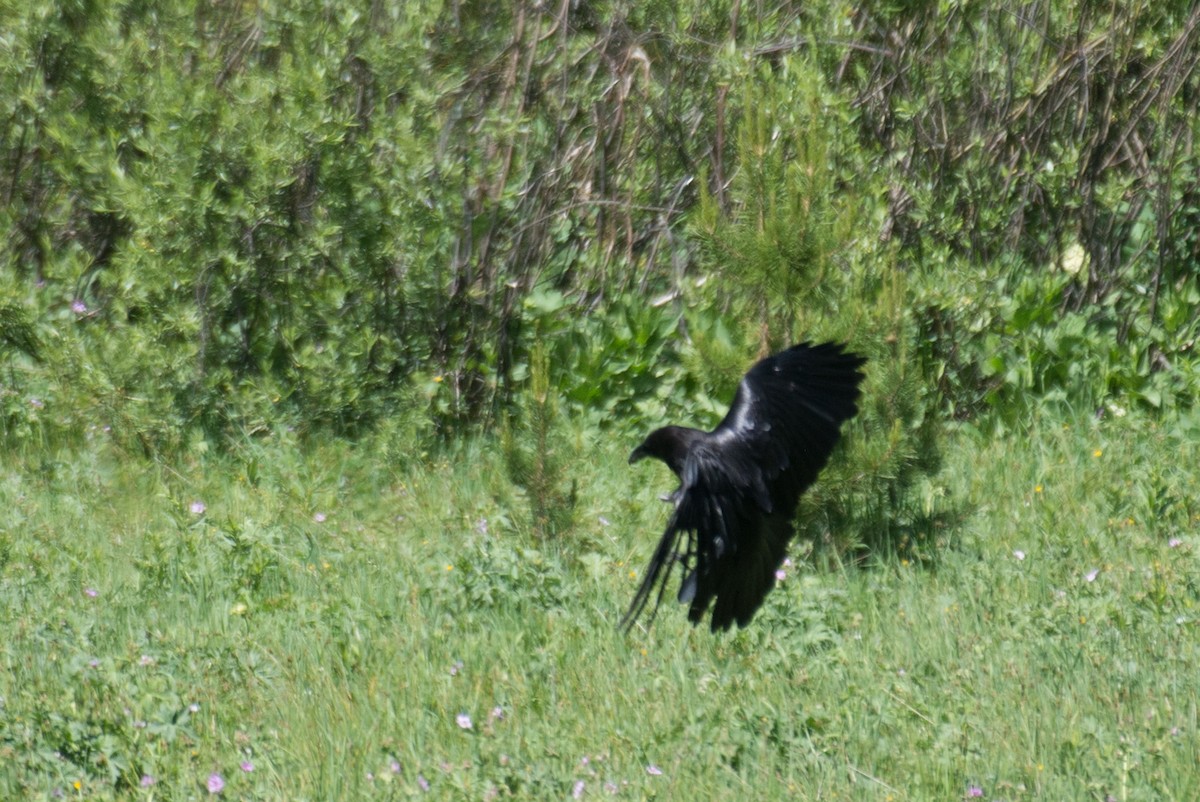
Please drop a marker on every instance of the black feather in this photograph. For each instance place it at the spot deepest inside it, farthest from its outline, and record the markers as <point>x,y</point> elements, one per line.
<point>740,483</point>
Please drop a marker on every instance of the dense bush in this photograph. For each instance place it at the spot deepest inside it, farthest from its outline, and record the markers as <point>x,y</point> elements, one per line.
<point>1043,182</point>
<point>224,220</point>
<point>792,260</point>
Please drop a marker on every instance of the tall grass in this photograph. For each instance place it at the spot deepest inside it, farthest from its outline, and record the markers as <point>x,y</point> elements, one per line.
<point>321,623</point>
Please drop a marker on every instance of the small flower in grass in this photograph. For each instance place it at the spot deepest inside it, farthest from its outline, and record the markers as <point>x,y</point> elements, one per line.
<point>91,593</point>
<point>1020,555</point>
<point>653,770</point>
<point>604,521</point>
<point>424,783</point>
<point>457,667</point>
<point>463,721</point>
<point>497,713</point>
<point>194,707</point>
<point>146,660</point>
<point>147,781</point>
<point>319,517</point>
<point>974,791</point>
<point>36,403</point>
<point>780,575</point>
<point>1174,542</point>
<point>79,307</point>
<point>394,766</point>
<point>1091,575</point>
<point>94,662</point>
<point>577,791</point>
<point>481,526</point>
<point>1099,452</point>
<point>247,766</point>
<point>216,783</point>
<point>197,507</point>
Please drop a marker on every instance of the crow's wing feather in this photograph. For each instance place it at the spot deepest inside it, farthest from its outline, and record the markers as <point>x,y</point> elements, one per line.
<point>776,438</point>
<point>657,573</point>
<point>785,418</point>
<point>709,513</point>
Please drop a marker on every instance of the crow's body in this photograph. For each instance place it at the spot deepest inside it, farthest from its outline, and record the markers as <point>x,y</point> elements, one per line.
<point>740,483</point>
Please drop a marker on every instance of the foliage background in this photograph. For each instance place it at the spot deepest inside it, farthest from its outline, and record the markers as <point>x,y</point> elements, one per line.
<point>219,218</point>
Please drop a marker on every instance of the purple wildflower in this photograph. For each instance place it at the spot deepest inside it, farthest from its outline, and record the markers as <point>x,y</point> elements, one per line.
<point>216,783</point>
<point>424,783</point>
<point>319,517</point>
<point>79,307</point>
<point>147,781</point>
<point>197,507</point>
<point>463,721</point>
<point>247,766</point>
<point>653,770</point>
<point>577,791</point>
<point>91,593</point>
<point>974,791</point>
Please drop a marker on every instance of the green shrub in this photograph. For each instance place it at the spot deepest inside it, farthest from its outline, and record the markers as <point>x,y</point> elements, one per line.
<point>790,262</point>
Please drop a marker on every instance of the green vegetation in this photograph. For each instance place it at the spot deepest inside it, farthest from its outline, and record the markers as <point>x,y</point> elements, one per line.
<point>326,616</point>
<point>325,332</point>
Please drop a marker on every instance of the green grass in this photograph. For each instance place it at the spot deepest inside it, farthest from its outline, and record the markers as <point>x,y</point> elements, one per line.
<point>336,655</point>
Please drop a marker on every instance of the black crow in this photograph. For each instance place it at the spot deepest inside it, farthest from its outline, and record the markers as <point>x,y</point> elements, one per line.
<point>740,483</point>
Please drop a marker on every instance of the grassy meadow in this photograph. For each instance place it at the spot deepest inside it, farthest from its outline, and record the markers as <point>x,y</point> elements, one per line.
<point>342,622</point>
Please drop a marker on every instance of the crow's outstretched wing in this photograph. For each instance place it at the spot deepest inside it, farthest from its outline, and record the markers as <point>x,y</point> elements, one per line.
<point>739,484</point>
<point>786,418</point>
